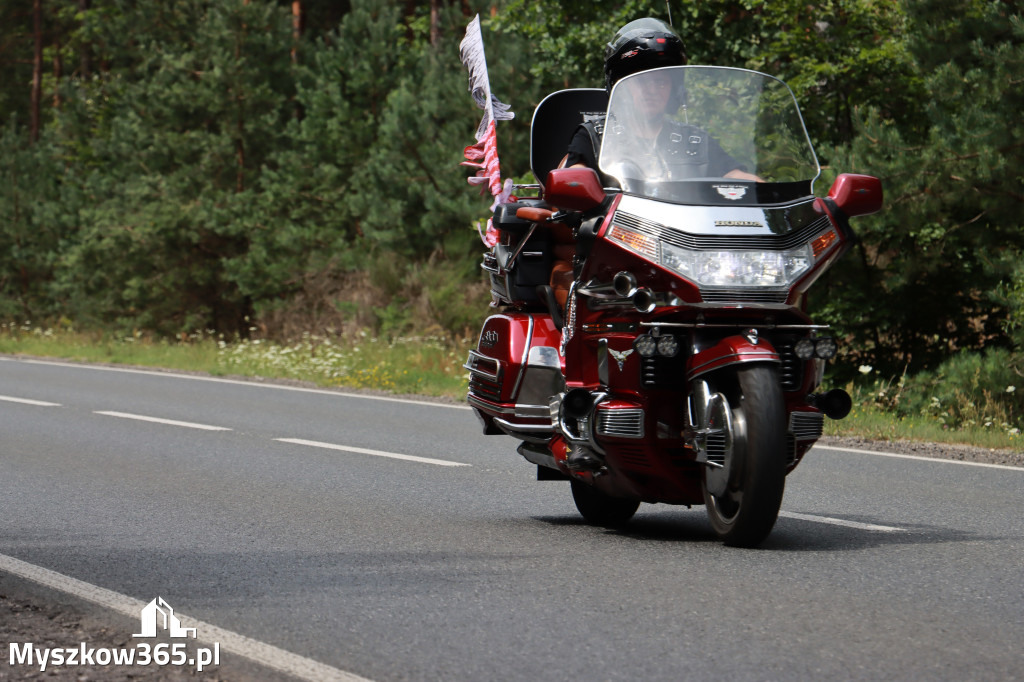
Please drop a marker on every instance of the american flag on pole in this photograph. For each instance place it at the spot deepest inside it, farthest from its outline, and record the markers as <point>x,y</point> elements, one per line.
<point>484,154</point>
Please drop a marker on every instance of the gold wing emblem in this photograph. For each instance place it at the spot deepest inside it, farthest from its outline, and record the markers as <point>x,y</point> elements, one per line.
<point>620,356</point>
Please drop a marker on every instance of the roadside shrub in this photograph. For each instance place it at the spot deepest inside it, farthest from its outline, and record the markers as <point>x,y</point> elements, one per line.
<point>970,390</point>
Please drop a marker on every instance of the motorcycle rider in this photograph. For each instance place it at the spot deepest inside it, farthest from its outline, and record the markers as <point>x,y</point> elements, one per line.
<point>638,46</point>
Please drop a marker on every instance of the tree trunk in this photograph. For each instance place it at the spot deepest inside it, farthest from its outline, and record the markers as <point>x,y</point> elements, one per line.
<point>435,29</point>
<point>58,73</point>
<point>296,28</point>
<point>37,71</point>
<point>85,50</point>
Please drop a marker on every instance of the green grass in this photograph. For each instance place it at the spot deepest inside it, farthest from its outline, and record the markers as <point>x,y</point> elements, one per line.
<point>411,365</point>
<point>970,411</point>
<point>433,366</point>
<point>193,354</point>
<point>872,423</point>
<point>417,365</point>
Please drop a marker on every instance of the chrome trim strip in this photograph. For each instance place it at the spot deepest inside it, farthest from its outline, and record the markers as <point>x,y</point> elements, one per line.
<point>734,358</point>
<point>735,325</point>
<point>488,407</point>
<point>508,426</point>
<point>474,355</point>
<point>765,296</point>
<point>602,363</point>
<point>526,357</point>
<point>510,262</point>
<point>533,411</point>
<point>620,423</point>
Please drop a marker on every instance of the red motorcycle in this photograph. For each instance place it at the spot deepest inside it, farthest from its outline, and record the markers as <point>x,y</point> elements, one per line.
<point>678,365</point>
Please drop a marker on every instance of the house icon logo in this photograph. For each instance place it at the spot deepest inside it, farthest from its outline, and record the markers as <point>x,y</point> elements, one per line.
<point>151,620</point>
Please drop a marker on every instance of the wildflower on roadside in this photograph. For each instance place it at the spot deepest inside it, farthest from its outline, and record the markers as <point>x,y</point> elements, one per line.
<point>866,369</point>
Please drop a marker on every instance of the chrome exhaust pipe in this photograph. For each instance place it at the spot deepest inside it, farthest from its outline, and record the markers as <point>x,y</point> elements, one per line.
<point>643,300</point>
<point>624,284</point>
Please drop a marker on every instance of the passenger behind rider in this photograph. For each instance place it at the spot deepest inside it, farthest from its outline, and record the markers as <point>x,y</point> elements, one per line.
<point>638,46</point>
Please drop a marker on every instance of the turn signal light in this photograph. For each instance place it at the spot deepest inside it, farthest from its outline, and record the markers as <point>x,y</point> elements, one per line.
<point>640,243</point>
<point>821,244</point>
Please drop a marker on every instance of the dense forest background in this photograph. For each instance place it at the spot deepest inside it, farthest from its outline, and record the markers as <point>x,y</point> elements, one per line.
<point>280,166</point>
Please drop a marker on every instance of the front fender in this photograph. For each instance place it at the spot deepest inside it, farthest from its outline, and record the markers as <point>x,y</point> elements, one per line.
<point>732,350</point>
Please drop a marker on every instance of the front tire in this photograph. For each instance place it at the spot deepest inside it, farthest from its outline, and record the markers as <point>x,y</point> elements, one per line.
<point>743,511</point>
<point>600,509</point>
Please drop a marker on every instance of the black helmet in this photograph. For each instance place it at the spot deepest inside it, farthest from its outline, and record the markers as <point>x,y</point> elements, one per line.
<point>640,45</point>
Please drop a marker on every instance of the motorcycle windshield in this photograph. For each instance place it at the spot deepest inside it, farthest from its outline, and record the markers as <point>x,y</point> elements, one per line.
<point>707,135</point>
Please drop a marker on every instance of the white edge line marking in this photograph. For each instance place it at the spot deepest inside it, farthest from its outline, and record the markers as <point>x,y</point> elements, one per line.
<point>376,453</point>
<point>840,522</point>
<point>264,654</point>
<point>28,401</point>
<point>921,459</point>
<point>236,382</point>
<point>158,420</point>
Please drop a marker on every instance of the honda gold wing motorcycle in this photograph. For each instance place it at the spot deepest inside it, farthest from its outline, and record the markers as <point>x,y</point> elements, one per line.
<point>676,364</point>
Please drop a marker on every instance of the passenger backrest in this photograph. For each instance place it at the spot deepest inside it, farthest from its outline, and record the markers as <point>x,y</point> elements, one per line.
<point>555,120</point>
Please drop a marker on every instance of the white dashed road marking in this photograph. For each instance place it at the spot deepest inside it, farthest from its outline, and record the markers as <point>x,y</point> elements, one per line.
<point>159,420</point>
<point>27,401</point>
<point>840,522</point>
<point>375,453</point>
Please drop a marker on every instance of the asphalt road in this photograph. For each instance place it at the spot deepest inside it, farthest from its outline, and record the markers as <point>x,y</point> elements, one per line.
<point>281,516</point>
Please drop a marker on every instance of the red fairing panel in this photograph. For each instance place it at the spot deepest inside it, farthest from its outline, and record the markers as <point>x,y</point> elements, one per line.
<point>503,350</point>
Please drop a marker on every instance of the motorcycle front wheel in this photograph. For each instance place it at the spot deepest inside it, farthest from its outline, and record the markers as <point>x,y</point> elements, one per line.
<point>744,494</point>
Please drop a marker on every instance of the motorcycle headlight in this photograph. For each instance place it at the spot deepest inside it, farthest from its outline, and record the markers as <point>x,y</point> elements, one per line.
<point>738,268</point>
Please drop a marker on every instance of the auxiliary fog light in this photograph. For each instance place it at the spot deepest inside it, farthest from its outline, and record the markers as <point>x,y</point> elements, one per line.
<point>804,349</point>
<point>646,346</point>
<point>668,346</point>
<point>826,348</point>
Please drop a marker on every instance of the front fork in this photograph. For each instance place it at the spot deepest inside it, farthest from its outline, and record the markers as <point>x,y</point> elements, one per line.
<point>702,427</point>
<point>715,430</point>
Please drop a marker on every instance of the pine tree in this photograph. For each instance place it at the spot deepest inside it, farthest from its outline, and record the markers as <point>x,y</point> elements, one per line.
<point>177,140</point>
<point>932,262</point>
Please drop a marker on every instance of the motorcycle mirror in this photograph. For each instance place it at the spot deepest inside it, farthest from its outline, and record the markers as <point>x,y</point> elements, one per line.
<point>856,194</point>
<point>574,189</point>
